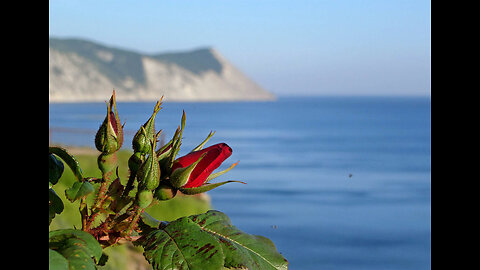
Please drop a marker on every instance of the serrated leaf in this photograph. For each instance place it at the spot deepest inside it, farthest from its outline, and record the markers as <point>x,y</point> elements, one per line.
<point>57,239</point>
<point>79,190</point>
<point>182,245</point>
<point>55,169</point>
<point>241,250</point>
<point>56,261</point>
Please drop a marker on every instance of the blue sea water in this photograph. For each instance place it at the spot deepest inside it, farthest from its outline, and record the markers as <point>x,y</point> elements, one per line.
<point>335,182</point>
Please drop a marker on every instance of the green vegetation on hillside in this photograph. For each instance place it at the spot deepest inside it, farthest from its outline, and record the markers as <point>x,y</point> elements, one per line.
<point>123,64</point>
<point>128,64</point>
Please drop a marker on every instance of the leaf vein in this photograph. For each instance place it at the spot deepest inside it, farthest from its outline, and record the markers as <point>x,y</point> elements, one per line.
<point>178,248</point>
<point>226,237</point>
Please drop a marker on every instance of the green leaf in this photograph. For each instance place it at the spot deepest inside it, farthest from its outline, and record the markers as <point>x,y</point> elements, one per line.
<point>182,244</point>
<point>55,204</point>
<point>55,169</point>
<point>74,250</point>
<point>241,250</point>
<point>56,261</point>
<point>69,160</point>
<point>57,239</point>
<point>79,190</point>
<point>193,242</point>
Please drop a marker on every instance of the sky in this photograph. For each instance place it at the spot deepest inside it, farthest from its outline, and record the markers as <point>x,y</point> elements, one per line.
<point>300,47</point>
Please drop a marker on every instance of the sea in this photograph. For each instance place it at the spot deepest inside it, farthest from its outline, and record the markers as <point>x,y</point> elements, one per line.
<point>340,183</point>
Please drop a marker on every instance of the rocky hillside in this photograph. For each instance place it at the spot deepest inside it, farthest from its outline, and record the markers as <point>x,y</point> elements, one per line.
<point>82,71</point>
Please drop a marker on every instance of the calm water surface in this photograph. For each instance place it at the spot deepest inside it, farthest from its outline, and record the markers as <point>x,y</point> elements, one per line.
<point>334,182</point>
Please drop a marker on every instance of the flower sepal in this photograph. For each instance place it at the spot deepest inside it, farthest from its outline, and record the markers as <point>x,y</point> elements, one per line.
<point>180,176</point>
<point>200,146</point>
<point>167,153</point>
<point>217,174</point>
<point>205,187</point>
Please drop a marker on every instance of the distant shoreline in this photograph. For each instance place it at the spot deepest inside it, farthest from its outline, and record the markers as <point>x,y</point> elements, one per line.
<point>167,101</point>
<point>275,99</point>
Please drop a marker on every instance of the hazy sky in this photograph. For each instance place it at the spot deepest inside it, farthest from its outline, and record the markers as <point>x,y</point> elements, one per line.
<point>288,47</point>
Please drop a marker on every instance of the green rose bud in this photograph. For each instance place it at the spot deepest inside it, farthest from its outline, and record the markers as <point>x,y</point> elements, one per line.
<point>141,140</point>
<point>109,137</point>
<point>149,172</point>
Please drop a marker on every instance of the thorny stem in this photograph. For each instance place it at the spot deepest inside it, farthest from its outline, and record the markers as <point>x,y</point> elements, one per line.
<point>107,179</point>
<point>91,219</point>
<point>119,216</point>
<point>108,228</point>
<point>132,176</point>
<point>129,185</point>
<point>84,212</point>
<point>138,212</point>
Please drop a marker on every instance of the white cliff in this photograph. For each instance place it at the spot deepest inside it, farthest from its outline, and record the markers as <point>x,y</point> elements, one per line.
<point>83,71</point>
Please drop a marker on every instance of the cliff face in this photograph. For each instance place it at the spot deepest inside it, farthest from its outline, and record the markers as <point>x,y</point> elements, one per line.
<point>83,71</point>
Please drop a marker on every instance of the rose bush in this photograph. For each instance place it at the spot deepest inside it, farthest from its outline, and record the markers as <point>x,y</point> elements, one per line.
<point>206,241</point>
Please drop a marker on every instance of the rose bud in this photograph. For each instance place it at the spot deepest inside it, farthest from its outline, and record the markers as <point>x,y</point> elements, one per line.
<point>190,172</point>
<point>109,137</point>
<point>149,172</point>
<point>141,140</point>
